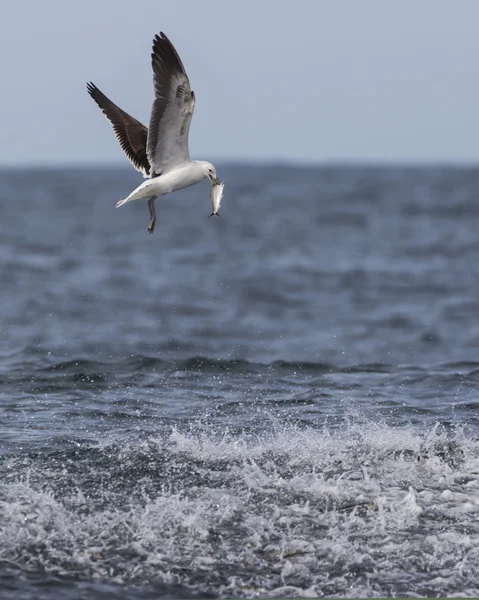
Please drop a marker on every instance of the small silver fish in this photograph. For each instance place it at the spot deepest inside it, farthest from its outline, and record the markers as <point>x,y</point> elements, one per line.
<point>216,196</point>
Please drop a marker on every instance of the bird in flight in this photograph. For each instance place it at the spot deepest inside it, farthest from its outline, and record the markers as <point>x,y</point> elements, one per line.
<point>160,151</point>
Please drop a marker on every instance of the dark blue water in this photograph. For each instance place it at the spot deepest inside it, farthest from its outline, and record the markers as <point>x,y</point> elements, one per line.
<point>280,402</point>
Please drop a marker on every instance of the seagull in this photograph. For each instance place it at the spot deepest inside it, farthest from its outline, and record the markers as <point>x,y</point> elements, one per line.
<point>160,151</point>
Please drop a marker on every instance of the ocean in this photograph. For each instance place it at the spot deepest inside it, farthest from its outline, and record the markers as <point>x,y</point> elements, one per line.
<point>281,402</point>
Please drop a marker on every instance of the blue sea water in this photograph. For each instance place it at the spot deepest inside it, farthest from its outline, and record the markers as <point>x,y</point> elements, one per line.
<point>279,402</point>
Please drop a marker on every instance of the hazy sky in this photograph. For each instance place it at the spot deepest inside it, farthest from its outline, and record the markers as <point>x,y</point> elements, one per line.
<point>315,80</point>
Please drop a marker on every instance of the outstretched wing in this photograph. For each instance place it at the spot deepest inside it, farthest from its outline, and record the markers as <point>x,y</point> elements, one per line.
<point>130,133</point>
<point>172,109</point>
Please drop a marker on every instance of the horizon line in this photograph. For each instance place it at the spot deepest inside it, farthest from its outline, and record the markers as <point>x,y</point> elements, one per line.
<point>259,162</point>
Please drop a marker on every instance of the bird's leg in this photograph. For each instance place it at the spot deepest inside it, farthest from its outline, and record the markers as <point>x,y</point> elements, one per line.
<point>151,206</point>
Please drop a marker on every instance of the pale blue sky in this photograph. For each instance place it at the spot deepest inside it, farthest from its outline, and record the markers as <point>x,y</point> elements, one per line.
<point>312,80</point>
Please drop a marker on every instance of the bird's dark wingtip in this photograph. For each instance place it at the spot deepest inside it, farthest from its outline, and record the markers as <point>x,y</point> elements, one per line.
<point>91,88</point>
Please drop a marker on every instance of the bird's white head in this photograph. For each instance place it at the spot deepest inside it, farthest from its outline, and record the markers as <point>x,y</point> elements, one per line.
<point>209,171</point>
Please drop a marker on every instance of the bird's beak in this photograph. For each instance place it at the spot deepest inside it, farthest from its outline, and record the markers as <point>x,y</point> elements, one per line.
<point>215,180</point>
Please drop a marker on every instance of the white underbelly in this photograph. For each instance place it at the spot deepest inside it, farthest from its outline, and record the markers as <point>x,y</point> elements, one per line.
<point>168,182</point>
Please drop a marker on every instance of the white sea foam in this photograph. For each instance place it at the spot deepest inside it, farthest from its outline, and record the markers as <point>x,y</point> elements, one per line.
<point>366,511</point>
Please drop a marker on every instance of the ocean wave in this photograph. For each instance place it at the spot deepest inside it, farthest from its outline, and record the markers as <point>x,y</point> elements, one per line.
<point>248,516</point>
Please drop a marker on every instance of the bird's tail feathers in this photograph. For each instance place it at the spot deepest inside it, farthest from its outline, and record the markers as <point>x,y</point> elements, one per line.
<point>121,202</point>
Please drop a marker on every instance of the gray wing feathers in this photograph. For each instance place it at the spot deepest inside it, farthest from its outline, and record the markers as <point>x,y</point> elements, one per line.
<point>172,109</point>
<point>130,133</point>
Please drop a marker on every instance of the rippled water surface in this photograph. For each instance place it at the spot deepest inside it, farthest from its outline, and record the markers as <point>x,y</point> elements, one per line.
<point>281,402</point>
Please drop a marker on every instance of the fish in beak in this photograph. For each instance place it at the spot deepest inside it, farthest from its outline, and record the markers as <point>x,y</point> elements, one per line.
<point>216,196</point>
